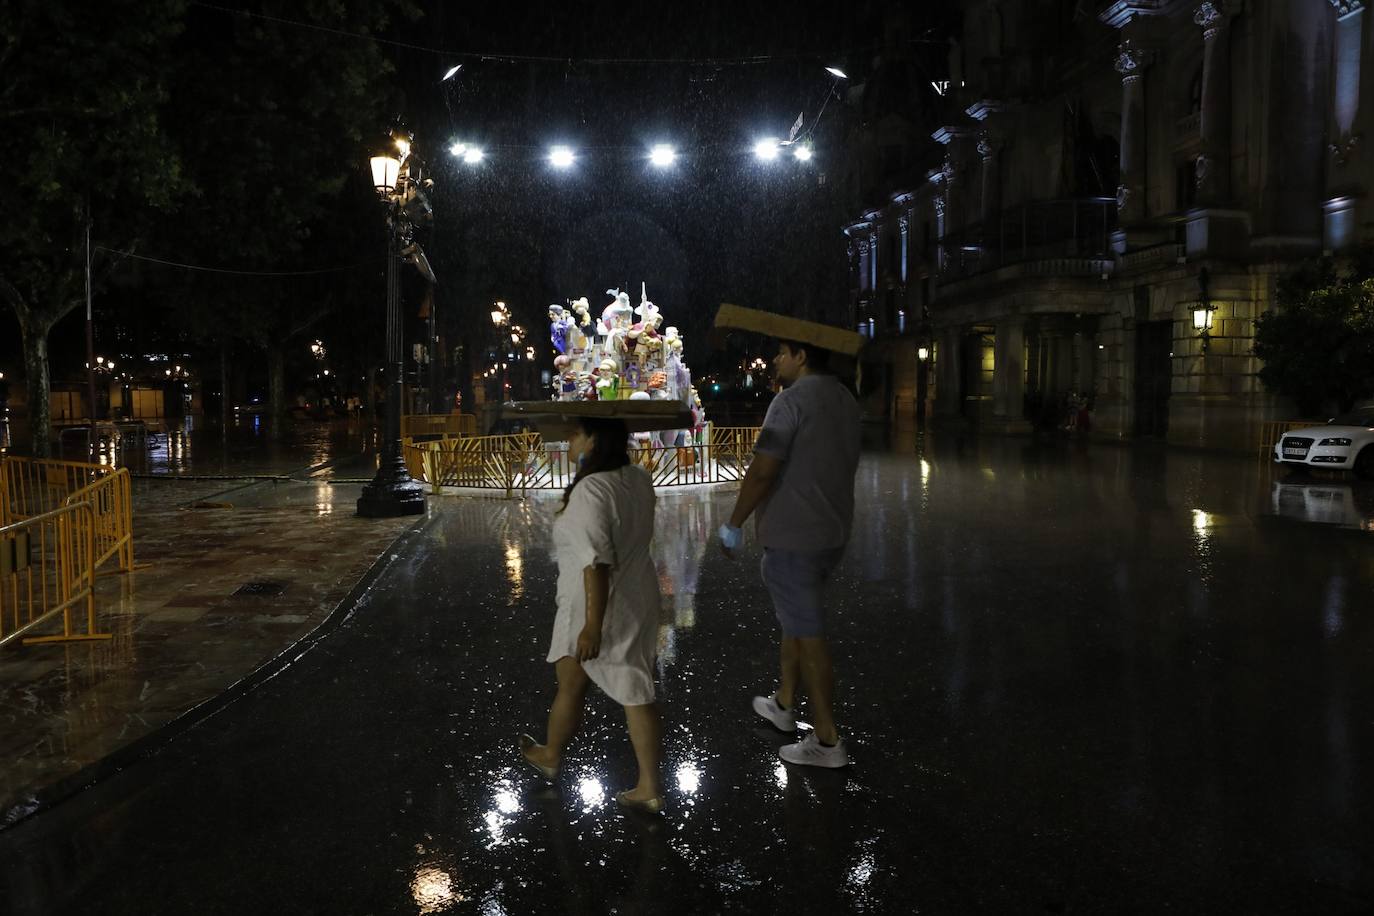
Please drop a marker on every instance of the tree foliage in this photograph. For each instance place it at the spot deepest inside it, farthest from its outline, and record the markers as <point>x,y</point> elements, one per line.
<point>82,88</point>
<point>1318,344</point>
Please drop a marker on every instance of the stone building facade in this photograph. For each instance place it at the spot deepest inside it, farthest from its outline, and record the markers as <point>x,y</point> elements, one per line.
<point>1114,191</point>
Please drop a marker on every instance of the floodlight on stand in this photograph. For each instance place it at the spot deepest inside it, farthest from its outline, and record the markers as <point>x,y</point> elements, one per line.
<point>767,149</point>
<point>662,155</point>
<point>561,157</point>
<point>837,73</point>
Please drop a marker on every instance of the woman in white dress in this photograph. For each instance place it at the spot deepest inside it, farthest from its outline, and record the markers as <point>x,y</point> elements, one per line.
<point>606,628</point>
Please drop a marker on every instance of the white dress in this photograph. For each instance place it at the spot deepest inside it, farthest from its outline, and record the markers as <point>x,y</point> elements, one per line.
<point>610,520</point>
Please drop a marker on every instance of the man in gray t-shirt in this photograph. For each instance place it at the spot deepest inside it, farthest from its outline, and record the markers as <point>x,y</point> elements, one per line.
<point>801,482</point>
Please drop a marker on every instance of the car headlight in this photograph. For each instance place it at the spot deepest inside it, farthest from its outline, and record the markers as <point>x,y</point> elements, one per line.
<point>1334,442</point>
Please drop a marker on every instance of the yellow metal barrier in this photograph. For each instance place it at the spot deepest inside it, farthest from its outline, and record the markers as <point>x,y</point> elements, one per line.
<point>32,486</point>
<point>438,424</point>
<point>1272,430</point>
<point>112,513</point>
<point>47,568</point>
<point>523,461</point>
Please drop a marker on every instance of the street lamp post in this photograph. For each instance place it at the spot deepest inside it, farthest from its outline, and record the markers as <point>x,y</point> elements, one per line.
<point>392,492</point>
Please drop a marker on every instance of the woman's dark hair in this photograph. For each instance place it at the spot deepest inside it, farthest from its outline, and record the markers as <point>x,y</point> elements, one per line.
<point>610,449</point>
<point>817,359</point>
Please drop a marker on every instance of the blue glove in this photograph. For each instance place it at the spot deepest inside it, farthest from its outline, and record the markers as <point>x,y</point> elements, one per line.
<point>731,537</point>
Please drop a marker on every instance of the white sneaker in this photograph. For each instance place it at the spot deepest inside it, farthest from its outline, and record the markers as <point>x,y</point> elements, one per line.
<point>810,752</point>
<point>784,720</point>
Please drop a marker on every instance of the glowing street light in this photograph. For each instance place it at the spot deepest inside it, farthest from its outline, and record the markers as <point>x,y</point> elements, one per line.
<point>837,73</point>
<point>452,72</point>
<point>458,148</point>
<point>767,149</point>
<point>802,152</point>
<point>662,155</point>
<point>473,155</point>
<point>561,157</point>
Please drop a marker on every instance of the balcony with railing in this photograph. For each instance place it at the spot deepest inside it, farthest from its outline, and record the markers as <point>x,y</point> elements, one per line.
<point>1043,238</point>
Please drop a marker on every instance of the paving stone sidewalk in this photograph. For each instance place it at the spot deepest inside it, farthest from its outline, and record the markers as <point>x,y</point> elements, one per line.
<point>183,630</point>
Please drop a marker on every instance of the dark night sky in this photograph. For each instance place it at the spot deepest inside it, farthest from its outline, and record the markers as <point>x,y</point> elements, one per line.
<point>718,227</point>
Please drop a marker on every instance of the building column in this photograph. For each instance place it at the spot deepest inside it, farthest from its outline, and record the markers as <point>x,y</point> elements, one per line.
<point>1009,375</point>
<point>987,149</point>
<point>1130,194</point>
<point>1214,164</point>
<point>1342,207</point>
<point>949,368</point>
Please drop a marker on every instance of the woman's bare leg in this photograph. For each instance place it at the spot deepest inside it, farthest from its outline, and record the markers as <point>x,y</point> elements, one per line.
<point>646,734</point>
<point>565,715</point>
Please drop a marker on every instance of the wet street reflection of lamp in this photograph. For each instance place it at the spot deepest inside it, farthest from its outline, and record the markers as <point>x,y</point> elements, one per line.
<point>396,176</point>
<point>1203,312</point>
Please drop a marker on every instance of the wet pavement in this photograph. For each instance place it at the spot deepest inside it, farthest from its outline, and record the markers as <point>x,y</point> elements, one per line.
<point>228,574</point>
<point>1073,679</point>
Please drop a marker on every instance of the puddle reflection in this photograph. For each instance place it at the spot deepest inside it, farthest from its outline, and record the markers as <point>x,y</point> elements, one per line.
<point>1347,505</point>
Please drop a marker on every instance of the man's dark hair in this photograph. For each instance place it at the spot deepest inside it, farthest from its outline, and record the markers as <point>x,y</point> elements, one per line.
<point>817,358</point>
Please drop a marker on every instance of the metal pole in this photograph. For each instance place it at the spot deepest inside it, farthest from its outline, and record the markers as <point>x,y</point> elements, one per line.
<point>392,492</point>
<point>90,338</point>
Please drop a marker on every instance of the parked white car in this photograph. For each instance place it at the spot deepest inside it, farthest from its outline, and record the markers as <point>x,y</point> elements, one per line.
<point>1345,443</point>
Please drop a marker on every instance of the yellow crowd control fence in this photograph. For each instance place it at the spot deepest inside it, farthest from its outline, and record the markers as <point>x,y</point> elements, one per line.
<point>47,569</point>
<point>524,461</point>
<point>1271,431</point>
<point>438,424</point>
<point>33,486</point>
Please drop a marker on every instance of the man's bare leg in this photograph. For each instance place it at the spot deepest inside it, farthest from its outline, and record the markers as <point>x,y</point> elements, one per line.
<point>791,672</point>
<point>818,678</point>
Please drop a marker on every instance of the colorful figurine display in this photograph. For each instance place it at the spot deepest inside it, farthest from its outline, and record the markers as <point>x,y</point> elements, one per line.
<point>623,356</point>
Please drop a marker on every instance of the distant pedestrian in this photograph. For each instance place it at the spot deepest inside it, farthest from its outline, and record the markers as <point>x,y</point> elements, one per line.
<point>606,627</point>
<point>801,483</point>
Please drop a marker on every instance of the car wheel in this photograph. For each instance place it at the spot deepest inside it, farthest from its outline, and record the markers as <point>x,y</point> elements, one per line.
<point>1364,463</point>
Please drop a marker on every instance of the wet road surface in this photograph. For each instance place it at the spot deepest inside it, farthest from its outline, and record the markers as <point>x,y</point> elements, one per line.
<point>1072,679</point>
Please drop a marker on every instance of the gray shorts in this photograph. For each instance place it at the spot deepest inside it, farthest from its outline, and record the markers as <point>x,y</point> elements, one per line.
<point>796,581</point>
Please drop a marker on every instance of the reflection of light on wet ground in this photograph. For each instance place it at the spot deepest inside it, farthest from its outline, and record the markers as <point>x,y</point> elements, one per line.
<point>925,471</point>
<point>433,890</point>
<point>688,777</point>
<point>1333,620</point>
<point>593,793</point>
<point>505,803</point>
<point>324,500</point>
<point>862,872</point>
<point>780,776</point>
<point>515,570</point>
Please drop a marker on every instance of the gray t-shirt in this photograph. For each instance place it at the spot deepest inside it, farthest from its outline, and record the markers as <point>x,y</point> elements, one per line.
<point>813,429</point>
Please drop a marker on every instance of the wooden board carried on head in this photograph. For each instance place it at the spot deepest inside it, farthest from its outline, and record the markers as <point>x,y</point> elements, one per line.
<point>784,327</point>
<point>555,419</point>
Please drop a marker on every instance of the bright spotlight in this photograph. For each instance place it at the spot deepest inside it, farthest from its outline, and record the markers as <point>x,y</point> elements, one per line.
<point>766,149</point>
<point>452,72</point>
<point>837,73</point>
<point>473,155</point>
<point>662,155</point>
<point>561,157</point>
<point>802,152</point>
